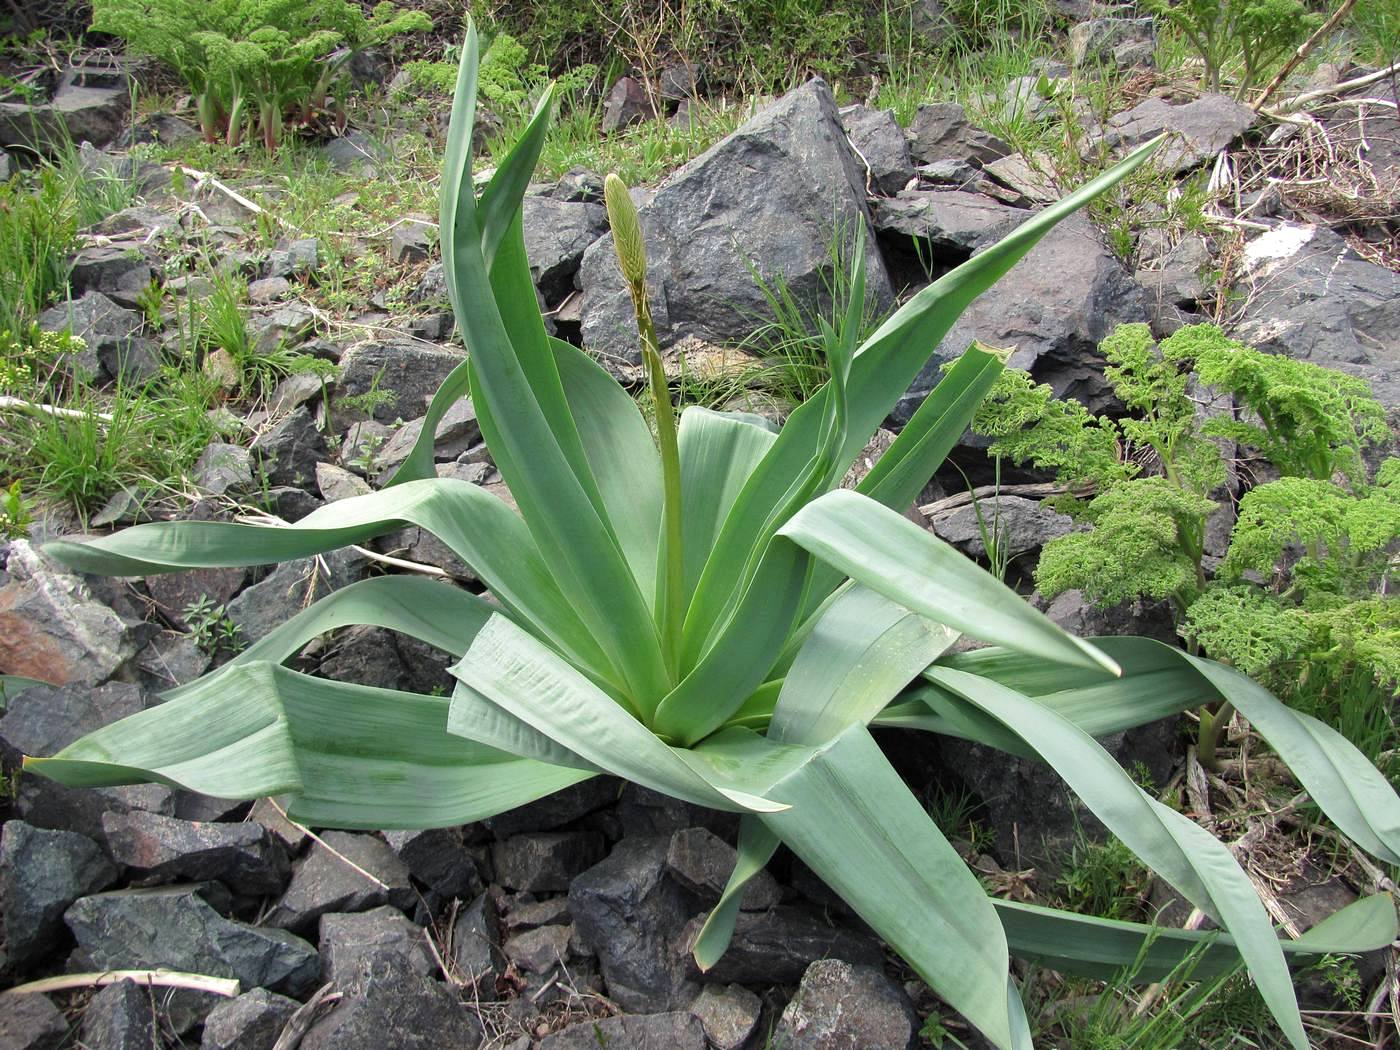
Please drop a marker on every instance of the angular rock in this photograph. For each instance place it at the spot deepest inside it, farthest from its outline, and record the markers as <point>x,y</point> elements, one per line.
<point>553,811</point>
<point>1175,282</point>
<point>672,1031</point>
<point>947,219</point>
<point>476,944</point>
<point>777,946</point>
<point>346,940</point>
<point>170,659</point>
<point>44,719</point>
<point>403,376</point>
<point>110,333</point>
<point>701,861</point>
<point>1123,42</point>
<point>456,433</point>
<point>631,914</point>
<point>244,856</point>
<point>364,655</point>
<point>251,1021</point>
<point>557,233</point>
<point>729,1014</point>
<point>1310,297</point>
<point>385,996</point>
<point>335,483</point>
<point>881,147</point>
<point>291,587</point>
<point>784,180</point>
<point>411,241</point>
<point>1019,525</point>
<point>627,104</point>
<point>323,882</point>
<point>941,131</point>
<point>299,388</point>
<point>79,111</point>
<point>176,929</point>
<point>1199,129</point>
<point>268,290</point>
<point>539,950</point>
<point>223,468</point>
<point>266,814</point>
<point>1031,180</point>
<point>288,453</point>
<point>175,592</point>
<point>1053,308</point>
<point>41,874</point>
<point>52,629</point>
<point>31,1022</point>
<point>123,275</point>
<point>356,153</point>
<point>545,862</point>
<point>438,858</point>
<point>294,258</point>
<point>530,915</point>
<point>287,326</point>
<point>843,1007</point>
<point>121,1016</point>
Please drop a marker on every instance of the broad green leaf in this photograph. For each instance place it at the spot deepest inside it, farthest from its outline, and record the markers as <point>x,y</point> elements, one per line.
<point>1192,860</point>
<point>883,368</point>
<point>890,554</point>
<point>478,527</point>
<point>718,453</point>
<point>755,849</point>
<point>531,682</point>
<point>854,823</point>
<point>1104,948</point>
<point>475,717</point>
<point>350,755</point>
<point>500,200</point>
<point>11,685</point>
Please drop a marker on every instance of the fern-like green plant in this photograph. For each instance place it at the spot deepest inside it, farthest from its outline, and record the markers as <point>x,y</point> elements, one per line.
<point>1256,32</point>
<point>254,62</point>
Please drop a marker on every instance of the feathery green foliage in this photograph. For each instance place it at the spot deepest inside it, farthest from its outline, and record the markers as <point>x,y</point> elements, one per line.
<point>254,62</point>
<point>1256,32</point>
<point>738,667</point>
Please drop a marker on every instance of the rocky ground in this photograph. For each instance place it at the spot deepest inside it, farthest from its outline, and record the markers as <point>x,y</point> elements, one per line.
<point>566,924</point>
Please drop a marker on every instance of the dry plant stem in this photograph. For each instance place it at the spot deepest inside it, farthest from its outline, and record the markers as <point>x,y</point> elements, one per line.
<point>305,1016</point>
<point>29,408</point>
<point>1036,490</point>
<point>204,178</point>
<point>325,845</point>
<point>1297,101</point>
<point>197,982</point>
<point>1304,49</point>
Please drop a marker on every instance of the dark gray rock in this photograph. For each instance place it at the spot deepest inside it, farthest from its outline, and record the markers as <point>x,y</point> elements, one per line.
<point>288,453</point>
<point>337,483</point>
<point>30,1022</point>
<point>947,219</point>
<point>431,287</point>
<point>82,109</point>
<point>224,469</point>
<point>176,929</point>
<point>843,1007</point>
<point>267,290</point>
<point>626,104</point>
<point>41,874</point>
<point>1175,282</point>
<point>243,855</point>
<point>557,233</point>
<point>1309,296</point>
<point>729,1014</point>
<point>1123,42</point>
<point>777,946</point>
<point>578,184</point>
<point>539,950</point>
<point>175,592</point>
<point>476,944</point>
<point>456,432</point>
<point>438,858</point>
<point>630,914</point>
<point>525,914</point>
<point>138,223</point>
<point>1072,611</point>
<point>406,374</point>
<point>346,940</point>
<point>411,240</point>
<point>356,153</point>
<point>291,587</point>
<point>672,1031</point>
<point>287,326</point>
<point>121,1016</point>
<point>251,1021</point>
<point>771,192</point>
<point>881,148</point>
<point>546,861</point>
<point>701,861</point>
<point>299,388</point>
<point>265,813</point>
<point>289,502</point>
<point>113,345</point>
<point>553,811</point>
<point>384,996</point>
<point>294,258</point>
<point>1053,308</point>
<point>53,629</point>
<point>121,274</point>
<point>323,881</point>
<point>941,131</point>
<point>1199,130</point>
<point>44,719</point>
<point>1020,525</point>
<point>170,659</point>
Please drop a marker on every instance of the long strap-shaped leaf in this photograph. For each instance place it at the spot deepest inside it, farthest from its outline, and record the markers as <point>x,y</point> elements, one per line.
<point>478,527</point>
<point>1104,948</point>
<point>883,369</point>
<point>350,755</point>
<point>11,685</point>
<point>1189,858</point>
<point>531,682</point>
<point>862,651</point>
